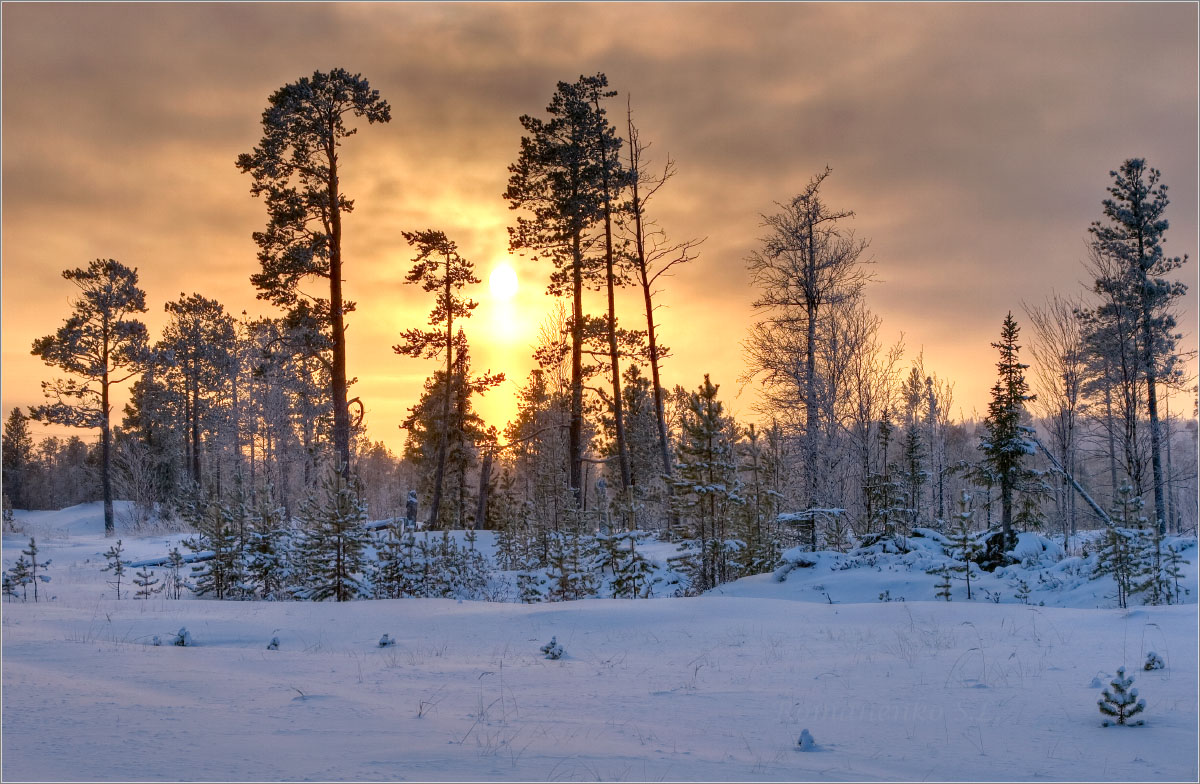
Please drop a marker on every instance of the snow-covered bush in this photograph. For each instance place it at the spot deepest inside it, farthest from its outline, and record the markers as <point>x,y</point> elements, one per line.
<point>273,645</point>
<point>1154,662</point>
<point>386,641</point>
<point>183,638</point>
<point>1122,703</point>
<point>552,649</point>
<point>806,742</point>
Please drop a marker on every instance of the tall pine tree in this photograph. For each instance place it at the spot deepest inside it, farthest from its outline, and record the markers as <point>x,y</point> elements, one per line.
<point>101,344</point>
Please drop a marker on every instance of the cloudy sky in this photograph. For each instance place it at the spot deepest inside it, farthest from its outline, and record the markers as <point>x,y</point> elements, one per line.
<point>973,142</point>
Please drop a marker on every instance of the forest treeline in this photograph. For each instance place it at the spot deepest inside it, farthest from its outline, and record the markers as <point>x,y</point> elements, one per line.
<point>851,437</point>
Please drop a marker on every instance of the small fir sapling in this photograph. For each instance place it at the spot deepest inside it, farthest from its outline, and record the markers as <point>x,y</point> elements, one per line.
<point>552,649</point>
<point>145,581</point>
<point>1122,703</point>
<point>806,742</point>
<point>962,541</point>
<point>385,641</point>
<point>1154,662</point>
<point>273,645</point>
<point>183,638</point>
<point>943,585</point>
<point>19,575</point>
<point>34,577</point>
<point>529,586</point>
<point>156,641</point>
<point>10,587</point>
<point>175,583</point>
<point>1022,591</point>
<point>1158,574</point>
<point>1120,549</point>
<point>115,565</point>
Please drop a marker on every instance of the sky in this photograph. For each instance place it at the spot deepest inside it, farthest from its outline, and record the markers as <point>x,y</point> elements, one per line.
<point>973,142</point>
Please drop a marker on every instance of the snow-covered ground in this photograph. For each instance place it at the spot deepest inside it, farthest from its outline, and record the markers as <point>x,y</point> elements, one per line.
<point>717,687</point>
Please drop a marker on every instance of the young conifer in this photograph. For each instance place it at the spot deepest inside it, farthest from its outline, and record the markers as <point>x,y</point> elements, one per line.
<point>1121,703</point>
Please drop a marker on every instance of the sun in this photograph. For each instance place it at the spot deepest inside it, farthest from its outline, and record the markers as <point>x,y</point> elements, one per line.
<point>503,282</point>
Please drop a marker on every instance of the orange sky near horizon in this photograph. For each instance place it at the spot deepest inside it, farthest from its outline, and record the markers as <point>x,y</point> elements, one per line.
<point>973,141</point>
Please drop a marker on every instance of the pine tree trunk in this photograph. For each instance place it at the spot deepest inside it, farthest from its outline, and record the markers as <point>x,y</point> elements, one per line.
<point>1152,394</point>
<point>810,382</point>
<point>444,425</point>
<point>194,394</point>
<point>614,360</point>
<point>1156,453</point>
<point>341,412</point>
<point>1006,513</point>
<point>610,283</point>
<point>1110,426</point>
<point>485,476</point>
<point>1172,512</point>
<point>110,528</point>
<point>575,432</point>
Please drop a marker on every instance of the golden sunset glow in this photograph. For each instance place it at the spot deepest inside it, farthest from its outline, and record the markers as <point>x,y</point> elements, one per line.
<point>973,200</point>
<point>503,282</point>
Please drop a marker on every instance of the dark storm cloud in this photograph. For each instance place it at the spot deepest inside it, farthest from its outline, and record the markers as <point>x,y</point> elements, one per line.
<point>972,140</point>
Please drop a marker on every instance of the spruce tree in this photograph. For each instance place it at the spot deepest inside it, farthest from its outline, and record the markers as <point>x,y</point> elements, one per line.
<point>707,487</point>
<point>1159,574</point>
<point>18,456</point>
<point>633,574</point>
<point>462,428</point>
<point>1121,703</point>
<point>335,539</point>
<point>222,575</point>
<point>267,551</point>
<point>1005,446</point>
<point>1120,549</point>
<point>571,567</point>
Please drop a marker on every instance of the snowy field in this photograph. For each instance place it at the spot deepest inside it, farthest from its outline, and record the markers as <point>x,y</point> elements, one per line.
<point>717,687</point>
